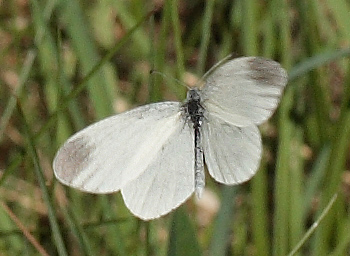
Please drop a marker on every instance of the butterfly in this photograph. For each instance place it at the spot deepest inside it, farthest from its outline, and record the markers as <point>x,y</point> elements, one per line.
<point>155,154</point>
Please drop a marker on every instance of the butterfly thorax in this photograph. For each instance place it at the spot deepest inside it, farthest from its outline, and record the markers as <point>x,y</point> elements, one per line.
<point>193,108</point>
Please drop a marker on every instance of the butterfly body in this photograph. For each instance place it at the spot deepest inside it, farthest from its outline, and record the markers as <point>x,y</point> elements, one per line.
<point>194,112</point>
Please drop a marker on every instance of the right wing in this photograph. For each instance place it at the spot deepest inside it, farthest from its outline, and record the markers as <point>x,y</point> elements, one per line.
<point>232,153</point>
<point>109,154</point>
<point>244,91</point>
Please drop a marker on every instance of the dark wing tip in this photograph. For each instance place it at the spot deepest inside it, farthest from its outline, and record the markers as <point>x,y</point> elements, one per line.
<point>267,71</point>
<point>72,158</point>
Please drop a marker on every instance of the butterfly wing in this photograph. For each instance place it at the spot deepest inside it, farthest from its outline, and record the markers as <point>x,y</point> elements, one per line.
<point>232,153</point>
<point>244,91</point>
<point>168,182</point>
<point>237,96</point>
<point>107,155</point>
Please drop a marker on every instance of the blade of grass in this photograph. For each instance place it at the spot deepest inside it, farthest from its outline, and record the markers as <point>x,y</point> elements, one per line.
<point>314,226</point>
<point>314,182</point>
<point>205,38</point>
<point>23,77</point>
<point>324,23</point>
<point>10,235</point>
<point>260,214</point>
<point>182,240</point>
<point>24,230</point>
<point>115,239</point>
<point>80,37</point>
<point>342,247</point>
<point>317,61</point>
<point>51,70</point>
<point>296,187</point>
<point>140,40</point>
<point>16,161</point>
<point>282,178</point>
<point>180,63</point>
<point>335,169</point>
<point>161,57</point>
<point>24,74</point>
<point>222,224</point>
<point>249,27</point>
<point>269,43</point>
<point>58,238</point>
<point>156,50</point>
<point>78,231</point>
<point>282,188</point>
<point>341,10</point>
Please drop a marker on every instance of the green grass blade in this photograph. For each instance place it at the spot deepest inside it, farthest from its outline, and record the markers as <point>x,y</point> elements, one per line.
<point>182,240</point>
<point>222,224</point>
<point>282,178</point>
<point>260,214</point>
<point>206,33</point>
<point>335,169</point>
<point>180,63</point>
<point>314,226</point>
<point>76,26</point>
<point>6,115</point>
<point>58,237</point>
<point>316,61</point>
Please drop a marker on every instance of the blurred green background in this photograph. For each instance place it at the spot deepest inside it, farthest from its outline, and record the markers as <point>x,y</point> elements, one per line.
<point>67,63</point>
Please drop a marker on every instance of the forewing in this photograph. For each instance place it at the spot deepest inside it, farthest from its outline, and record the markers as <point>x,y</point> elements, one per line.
<point>232,154</point>
<point>105,156</point>
<point>168,182</point>
<point>244,91</point>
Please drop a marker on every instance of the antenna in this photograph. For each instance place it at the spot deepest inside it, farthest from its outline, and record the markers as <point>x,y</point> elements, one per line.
<point>212,69</point>
<point>169,78</point>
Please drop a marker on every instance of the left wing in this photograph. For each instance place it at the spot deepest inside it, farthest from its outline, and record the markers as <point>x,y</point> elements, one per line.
<point>168,182</point>
<point>105,156</point>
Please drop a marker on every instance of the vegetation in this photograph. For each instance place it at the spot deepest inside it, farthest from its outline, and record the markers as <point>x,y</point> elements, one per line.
<point>67,63</point>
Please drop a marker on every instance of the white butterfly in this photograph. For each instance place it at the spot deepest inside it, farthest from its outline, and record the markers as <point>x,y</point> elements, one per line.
<point>154,153</point>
